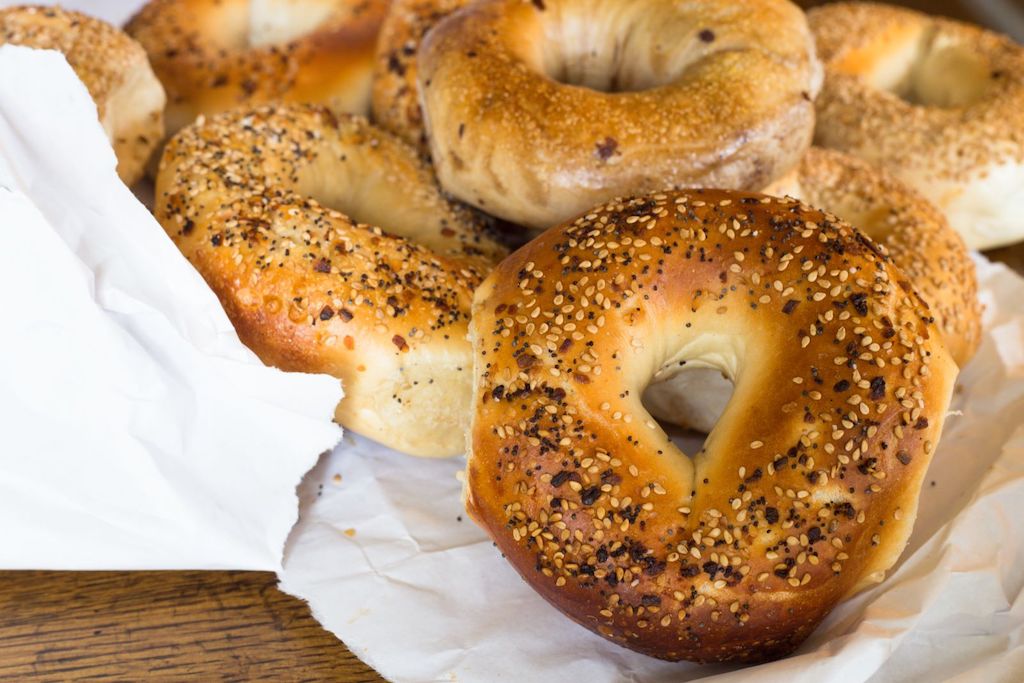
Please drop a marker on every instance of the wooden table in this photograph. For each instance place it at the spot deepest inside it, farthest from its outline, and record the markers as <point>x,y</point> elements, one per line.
<point>158,625</point>
<point>199,625</point>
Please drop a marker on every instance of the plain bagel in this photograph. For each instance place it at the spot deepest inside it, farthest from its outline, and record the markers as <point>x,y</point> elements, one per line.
<point>937,103</point>
<point>114,69</point>
<point>213,55</point>
<point>376,293</point>
<point>807,488</point>
<point>537,110</point>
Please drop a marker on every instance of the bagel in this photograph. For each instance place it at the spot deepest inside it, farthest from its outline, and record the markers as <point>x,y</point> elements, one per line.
<point>917,238</point>
<point>536,111</point>
<point>395,101</point>
<point>915,234</point>
<point>807,487</point>
<point>937,103</point>
<point>213,55</point>
<point>245,196</point>
<point>114,69</point>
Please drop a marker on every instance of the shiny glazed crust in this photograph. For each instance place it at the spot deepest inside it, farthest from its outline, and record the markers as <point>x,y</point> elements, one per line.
<point>726,104</point>
<point>245,196</point>
<point>204,53</point>
<point>937,103</point>
<point>914,233</point>
<point>807,488</point>
<point>129,98</point>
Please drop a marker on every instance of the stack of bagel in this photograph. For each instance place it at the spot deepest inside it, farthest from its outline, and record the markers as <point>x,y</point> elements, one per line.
<point>537,231</point>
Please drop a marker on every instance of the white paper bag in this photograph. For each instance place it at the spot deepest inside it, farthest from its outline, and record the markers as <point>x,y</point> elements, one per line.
<point>137,432</point>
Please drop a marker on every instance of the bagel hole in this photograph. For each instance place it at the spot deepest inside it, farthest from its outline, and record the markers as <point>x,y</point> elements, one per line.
<point>934,71</point>
<point>347,198</point>
<point>275,22</point>
<point>688,405</point>
<point>614,53</point>
<point>948,76</point>
<point>356,181</point>
<point>364,191</point>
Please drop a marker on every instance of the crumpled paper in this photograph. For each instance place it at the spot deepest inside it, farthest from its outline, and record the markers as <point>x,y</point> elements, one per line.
<point>137,430</point>
<point>388,561</point>
<point>141,435</point>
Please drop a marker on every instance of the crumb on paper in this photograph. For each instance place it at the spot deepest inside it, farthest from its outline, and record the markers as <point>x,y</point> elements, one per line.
<point>350,532</point>
<point>336,478</point>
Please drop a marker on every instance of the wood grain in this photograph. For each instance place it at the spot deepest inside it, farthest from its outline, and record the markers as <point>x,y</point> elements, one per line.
<point>161,625</point>
<point>1012,256</point>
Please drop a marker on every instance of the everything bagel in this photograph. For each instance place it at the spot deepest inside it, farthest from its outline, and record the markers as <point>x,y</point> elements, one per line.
<point>212,55</point>
<point>807,488</point>
<point>114,69</point>
<point>937,103</point>
<point>537,110</point>
<point>395,102</point>
<point>376,293</point>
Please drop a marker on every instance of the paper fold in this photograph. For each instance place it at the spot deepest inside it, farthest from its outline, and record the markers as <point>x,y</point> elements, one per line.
<point>138,432</point>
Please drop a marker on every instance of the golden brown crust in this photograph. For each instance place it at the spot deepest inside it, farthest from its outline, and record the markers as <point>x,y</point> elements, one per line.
<point>806,489</point>
<point>937,103</point>
<point>202,53</point>
<point>113,67</point>
<point>726,104</point>
<point>244,195</point>
<point>395,102</point>
<point>914,233</point>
